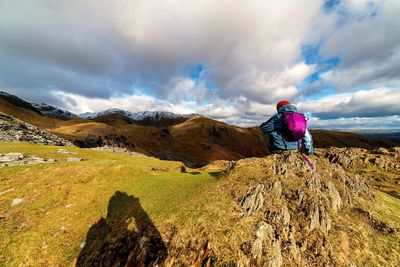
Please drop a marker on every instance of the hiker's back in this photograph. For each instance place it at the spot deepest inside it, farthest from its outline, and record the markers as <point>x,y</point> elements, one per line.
<point>287,129</point>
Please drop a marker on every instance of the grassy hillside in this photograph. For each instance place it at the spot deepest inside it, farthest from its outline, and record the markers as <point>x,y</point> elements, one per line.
<point>109,200</point>
<point>61,201</point>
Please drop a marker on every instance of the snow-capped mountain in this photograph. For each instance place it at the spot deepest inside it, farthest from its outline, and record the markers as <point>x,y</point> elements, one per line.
<point>144,116</point>
<point>54,112</point>
<point>94,115</point>
<point>18,101</point>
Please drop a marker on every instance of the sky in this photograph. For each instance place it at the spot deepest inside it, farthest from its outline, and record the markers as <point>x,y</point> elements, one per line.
<point>231,60</point>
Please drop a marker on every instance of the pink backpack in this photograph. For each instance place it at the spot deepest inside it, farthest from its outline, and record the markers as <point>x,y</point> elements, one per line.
<point>296,126</point>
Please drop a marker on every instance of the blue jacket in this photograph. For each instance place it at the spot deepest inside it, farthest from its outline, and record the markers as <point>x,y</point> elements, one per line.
<point>275,126</point>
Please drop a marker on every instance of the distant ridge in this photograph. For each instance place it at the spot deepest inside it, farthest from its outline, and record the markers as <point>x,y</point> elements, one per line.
<point>54,112</point>
<point>193,139</point>
<point>42,109</point>
<point>144,117</point>
<point>16,101</point>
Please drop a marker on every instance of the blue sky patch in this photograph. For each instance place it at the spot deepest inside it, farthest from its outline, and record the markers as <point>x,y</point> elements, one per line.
<point>311,55</point>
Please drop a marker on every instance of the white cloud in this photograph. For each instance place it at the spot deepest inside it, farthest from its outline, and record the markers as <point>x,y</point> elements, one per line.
<point>357,123</point>
<point>269,87</point>
<point>102,54</point>
<point>365,35</point>
<point>366,74</point>
<point>364,103</point>
<point>80,104</point>
<point>98,48</point>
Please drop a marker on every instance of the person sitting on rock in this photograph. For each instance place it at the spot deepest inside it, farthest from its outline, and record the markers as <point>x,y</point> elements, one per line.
<point>287,130</point>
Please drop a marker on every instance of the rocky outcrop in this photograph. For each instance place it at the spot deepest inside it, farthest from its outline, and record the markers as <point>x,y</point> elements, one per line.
<point>253,200</point>
<point>17,158</point>
<point>15,130</point>
<point>385,159</point>
<point>285,213</point>
<point>295,206</point>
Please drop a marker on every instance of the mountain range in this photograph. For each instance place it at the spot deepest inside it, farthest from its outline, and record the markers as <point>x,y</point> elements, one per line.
<point>191,138</point>
<point>218,198</point>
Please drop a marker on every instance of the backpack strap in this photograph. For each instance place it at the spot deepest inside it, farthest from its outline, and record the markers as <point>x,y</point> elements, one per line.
<point>304,156</point>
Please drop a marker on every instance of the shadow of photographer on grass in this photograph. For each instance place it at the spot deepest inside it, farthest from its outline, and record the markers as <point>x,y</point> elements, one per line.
<point>113,242</point>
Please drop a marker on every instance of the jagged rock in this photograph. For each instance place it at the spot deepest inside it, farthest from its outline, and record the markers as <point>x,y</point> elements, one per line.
<point>265,233</point>
<point>282,216</point>
<point>319,218</point>
<point>267,242</point>
<point>294,250</point>
<point>297,199</point>
<point>313,183</point>
<point>300,197</point>
<point>253,200</point>
<point>15,130</point>
<point>281,219</point>
<point>357,185</point>
<point>276,189</point>
<point>281,169</point>
<point>345,157</point>
<point>230,166</point>
<point>285,215</point>
<point>335,199</point>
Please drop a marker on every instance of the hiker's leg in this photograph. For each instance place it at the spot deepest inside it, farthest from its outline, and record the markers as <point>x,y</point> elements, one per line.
<point>270,146</point>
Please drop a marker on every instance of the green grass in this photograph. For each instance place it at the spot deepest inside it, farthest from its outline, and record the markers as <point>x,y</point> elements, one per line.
<point>354,238</point>
<point>42,231</point>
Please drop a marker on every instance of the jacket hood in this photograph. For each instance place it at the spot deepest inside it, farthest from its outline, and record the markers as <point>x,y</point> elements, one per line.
<point>287,108</point>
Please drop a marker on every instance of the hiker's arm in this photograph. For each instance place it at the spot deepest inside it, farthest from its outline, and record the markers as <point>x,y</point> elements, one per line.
<point>308,143</point>
<point>269,125</point>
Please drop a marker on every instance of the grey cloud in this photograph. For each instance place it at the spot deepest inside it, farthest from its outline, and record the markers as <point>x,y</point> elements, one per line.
<point>367,43</point>
<point>387,122</point>
<point>99,48</point>
<point>377,102</point>
<point>251,52</point>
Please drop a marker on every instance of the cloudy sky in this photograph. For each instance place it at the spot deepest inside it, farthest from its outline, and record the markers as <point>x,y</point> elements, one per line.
<point>231,60</point>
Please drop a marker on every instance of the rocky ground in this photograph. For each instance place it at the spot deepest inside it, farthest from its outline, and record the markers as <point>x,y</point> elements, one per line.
<point>275,211</point>
<point>120,150</point>
<point>17,158</point>
<point>288,215</point>
<point>269,211</point>
<point>15,130</point>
